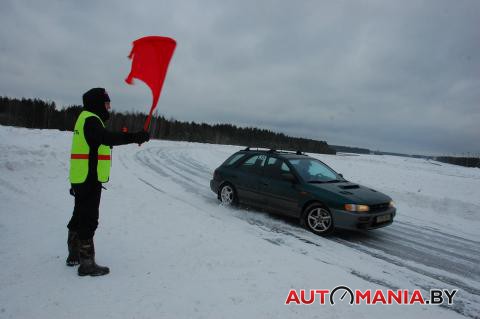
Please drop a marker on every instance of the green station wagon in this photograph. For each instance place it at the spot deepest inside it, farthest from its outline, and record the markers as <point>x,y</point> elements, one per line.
<point>297,185</point>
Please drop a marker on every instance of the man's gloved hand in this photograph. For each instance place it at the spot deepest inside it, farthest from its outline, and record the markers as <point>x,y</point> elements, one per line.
<point>141,137</point>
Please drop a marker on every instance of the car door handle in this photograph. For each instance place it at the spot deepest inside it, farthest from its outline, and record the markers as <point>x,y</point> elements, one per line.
<point>264,184</point>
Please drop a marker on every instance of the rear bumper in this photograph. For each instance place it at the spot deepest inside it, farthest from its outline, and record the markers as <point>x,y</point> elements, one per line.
<point>349,220</point>
<point>214,186</point>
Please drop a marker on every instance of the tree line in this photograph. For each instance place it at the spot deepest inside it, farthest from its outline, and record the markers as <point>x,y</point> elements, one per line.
<point>463,161</point>
<point>37,113</point>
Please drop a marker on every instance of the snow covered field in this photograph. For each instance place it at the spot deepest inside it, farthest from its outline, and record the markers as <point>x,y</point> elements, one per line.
<point>174,252</point>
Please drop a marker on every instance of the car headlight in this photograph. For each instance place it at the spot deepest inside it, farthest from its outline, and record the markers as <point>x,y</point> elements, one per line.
<point>391,204</point>
<point>357,208</point>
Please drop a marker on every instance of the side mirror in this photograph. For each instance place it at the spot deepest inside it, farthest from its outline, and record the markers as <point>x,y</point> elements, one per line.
<point>289,177</point>
<point>341,175</point>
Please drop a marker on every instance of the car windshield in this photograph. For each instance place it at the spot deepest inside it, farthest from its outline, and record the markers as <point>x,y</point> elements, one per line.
<point>312,170</point>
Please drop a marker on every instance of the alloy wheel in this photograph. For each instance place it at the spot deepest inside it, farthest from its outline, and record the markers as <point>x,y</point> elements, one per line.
<point>319,220</point>
<point>227,195</point>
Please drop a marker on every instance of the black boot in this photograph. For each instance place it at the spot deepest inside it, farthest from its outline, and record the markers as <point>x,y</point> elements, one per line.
<point>73,243</point>
<point>88,267</point>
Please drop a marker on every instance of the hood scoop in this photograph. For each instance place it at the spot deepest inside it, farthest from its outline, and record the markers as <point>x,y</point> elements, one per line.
<point>349,186</point>
<point>345,193</point>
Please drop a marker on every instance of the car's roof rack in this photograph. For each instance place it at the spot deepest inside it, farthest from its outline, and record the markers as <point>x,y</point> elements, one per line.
<point>298,152</point>
<point>272,150</point>
<point>248,148</point>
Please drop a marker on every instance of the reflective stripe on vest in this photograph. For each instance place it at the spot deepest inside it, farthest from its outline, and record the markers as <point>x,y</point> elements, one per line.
<point>80,154</point>
<point>85,156</point>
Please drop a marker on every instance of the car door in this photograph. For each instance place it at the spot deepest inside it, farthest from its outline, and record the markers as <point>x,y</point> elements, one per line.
<point>281,195</point>
<point>248,180</point>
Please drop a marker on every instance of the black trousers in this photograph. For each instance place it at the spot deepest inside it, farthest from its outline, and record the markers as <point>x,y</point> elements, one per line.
<point>85,212</point>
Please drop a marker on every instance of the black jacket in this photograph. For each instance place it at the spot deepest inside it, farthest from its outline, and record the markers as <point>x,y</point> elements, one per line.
<point>96,135</point>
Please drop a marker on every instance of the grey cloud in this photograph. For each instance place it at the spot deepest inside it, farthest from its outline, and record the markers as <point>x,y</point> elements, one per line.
<point>400,76</point>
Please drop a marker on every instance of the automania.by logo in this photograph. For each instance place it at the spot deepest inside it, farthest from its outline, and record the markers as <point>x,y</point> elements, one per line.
<point>341,294</point>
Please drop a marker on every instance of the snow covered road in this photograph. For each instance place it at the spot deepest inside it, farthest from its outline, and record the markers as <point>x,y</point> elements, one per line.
<point>176,253</point>
<point>425,256</point>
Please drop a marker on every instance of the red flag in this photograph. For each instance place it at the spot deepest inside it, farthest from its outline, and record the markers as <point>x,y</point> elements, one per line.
<point>150,58</point>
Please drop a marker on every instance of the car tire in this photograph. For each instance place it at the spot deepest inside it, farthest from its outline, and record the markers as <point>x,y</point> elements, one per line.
<point>318,219</point>
<point>228,195</point>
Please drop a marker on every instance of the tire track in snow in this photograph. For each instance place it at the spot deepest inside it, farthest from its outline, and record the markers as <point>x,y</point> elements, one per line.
<point>145,158</point>
<point>460,242</point>
<point>392,244</point>
<point>177,169</point>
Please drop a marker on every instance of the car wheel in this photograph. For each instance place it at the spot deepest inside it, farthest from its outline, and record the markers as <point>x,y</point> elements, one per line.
<point>228,195</point>
<point>318,219</point>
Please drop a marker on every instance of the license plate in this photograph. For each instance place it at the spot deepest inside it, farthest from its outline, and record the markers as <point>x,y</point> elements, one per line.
<point>383,218</point>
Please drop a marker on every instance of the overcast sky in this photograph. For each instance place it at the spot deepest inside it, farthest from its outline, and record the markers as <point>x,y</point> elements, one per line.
<point>391,75</point>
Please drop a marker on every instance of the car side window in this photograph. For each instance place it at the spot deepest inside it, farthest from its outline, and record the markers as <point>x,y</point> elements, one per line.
<point>275,167</point>
<point>254,163</point>
<point>284,168</point>
<point>233,159</point>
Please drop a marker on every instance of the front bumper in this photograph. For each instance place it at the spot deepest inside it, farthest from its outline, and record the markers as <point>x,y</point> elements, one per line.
<point>351,220</point>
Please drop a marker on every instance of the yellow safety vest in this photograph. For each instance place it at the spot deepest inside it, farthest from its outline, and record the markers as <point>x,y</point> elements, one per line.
<point>81,150</point>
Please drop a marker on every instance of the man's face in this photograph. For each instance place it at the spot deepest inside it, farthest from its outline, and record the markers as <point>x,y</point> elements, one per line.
<point>107,106</point>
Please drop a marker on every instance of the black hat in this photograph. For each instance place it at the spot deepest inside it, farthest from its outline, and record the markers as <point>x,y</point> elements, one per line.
<point>94,101</point>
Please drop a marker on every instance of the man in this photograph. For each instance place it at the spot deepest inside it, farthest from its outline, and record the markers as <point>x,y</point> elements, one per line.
<point>89,168</point>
